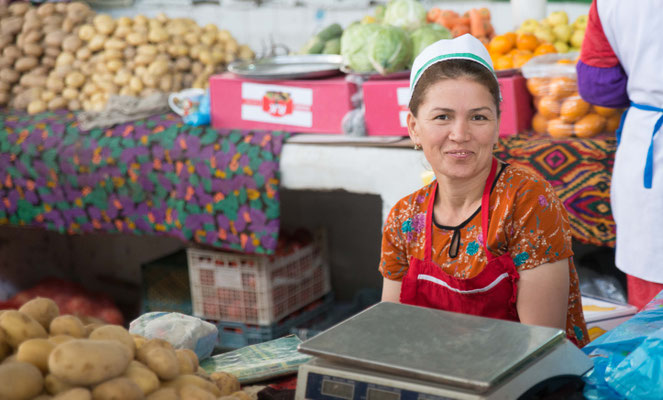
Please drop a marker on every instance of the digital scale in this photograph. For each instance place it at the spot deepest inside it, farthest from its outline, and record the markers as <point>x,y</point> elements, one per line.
<point>394,351</point>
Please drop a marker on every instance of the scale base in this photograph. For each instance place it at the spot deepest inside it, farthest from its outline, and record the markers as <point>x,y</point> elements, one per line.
<point>324,380</point>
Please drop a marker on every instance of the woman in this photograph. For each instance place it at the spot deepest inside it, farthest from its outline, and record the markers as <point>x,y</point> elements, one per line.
<point>620,67</point>
<point>435,252</point>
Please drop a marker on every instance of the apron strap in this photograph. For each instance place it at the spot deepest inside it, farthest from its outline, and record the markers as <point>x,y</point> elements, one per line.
<point>649,165</point>
<point>429,224</point>
<point>485,208</point>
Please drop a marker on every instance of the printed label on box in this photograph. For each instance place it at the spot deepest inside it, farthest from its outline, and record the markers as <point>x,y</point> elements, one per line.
<point>284,105</point>
<point>403,95</point>
<point>230,278</point>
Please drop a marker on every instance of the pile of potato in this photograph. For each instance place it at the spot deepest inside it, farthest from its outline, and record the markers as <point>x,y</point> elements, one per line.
<point>90,57</point>
<point>50,356</point>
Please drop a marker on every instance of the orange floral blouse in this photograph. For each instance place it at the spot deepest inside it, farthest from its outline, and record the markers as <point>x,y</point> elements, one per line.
<point>527,219</point>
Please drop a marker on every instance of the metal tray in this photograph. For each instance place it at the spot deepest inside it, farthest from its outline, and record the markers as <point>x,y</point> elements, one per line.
<point>404,74</point>
<point>289,67</point>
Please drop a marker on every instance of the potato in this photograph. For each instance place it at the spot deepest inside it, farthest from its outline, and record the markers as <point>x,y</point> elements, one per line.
<point>57,103</point>
<point>35,352</point>
<point>6,40</point>
<point>164,394</point>
<point>86,32</point>
<point>88,362</point>
<point>142,376</point>
<point>78,11</point>
<point>227,383</point>
<point>71,43</point>
<point>139,340</point>
<point>104,24</point>
<point>202,373</point>
<point>55,385</point>
<point>20,327</point>
<point>48,61</point>
<point>46,9</point>
<point>5,348</point>
<point>191,392</point>
<point>43,397</point>
<point>25,63</point>
<point>195,380</point>
<point>67,324</point>
<point>74,105</point>
<point>32,49</point>
<point>69,93</point>
<point>12,52</point>
<point>20,380</point>
<point>36,106</point>
<point>9,75</point>
<point>117,333</point>
<point>54,39</point>
<point>11,25</point>
<point>54,20</point>
<point>32,37</point>
<point>160,357</point>
<point>117,389</point>
<point>97,42</point>
<point>114,65</point>
<point>74,394</point>
<point>186,365</point>
<point>52,51</point>
<point>68,26</point>
<point>137,38</point>
<point>19,8</point>
<point>83,54</point>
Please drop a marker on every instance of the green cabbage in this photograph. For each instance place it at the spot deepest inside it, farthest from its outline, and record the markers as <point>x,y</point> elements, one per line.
<point>406,14</point>
<point>390,50</point>
<point>354,46</point>
<point>427,35</point>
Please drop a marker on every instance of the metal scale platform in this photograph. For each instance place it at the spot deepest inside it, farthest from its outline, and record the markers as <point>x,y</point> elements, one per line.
<point>393,351</point>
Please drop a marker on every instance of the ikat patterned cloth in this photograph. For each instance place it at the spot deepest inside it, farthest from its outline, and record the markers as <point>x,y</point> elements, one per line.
<point>155,176</point>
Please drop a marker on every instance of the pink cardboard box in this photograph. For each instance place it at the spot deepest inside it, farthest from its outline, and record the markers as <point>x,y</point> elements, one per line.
<point>296,106</point>
<point>386,106</point>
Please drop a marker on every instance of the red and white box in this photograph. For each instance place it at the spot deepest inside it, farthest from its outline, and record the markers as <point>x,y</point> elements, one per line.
<point>314,106</point>
<point>387,108</point>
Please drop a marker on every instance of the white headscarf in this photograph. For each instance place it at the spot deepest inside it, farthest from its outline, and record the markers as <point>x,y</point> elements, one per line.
<point>465,47</point>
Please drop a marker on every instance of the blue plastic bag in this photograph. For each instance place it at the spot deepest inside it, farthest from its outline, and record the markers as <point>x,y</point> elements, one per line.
<point>628,360</point>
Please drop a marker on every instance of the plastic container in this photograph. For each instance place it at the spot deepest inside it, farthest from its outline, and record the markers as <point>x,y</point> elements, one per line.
<point>165,285</point>
<point>233,335</point>
<point>559,109</point>
<point>257,289</point>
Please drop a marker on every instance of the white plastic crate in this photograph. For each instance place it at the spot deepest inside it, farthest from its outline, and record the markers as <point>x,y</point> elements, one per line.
<point>257,289</point>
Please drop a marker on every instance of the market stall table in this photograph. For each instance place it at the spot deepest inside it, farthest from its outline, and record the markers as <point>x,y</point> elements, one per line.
<point>220,187</point>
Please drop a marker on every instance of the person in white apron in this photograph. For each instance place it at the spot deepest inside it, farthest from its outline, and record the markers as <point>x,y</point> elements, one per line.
<point>621,65</point>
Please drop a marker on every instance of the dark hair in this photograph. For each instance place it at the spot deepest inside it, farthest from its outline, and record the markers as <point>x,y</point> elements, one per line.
<point>453,69</point>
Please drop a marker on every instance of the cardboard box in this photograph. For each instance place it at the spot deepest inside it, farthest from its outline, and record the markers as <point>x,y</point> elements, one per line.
<point>387,108</point>
<point>602,315</point>
<point>315,106</point>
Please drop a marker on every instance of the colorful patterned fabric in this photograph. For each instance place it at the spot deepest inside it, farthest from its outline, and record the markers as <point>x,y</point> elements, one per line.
<point>579,170</point>
<point>527,220</point>
<point>153,176</point>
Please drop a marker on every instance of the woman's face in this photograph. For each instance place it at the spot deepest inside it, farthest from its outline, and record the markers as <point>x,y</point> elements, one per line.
<point>456,126</point>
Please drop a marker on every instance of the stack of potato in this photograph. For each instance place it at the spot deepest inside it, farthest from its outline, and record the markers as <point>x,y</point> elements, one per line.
<point>45,355</point>
<point>87,57</point>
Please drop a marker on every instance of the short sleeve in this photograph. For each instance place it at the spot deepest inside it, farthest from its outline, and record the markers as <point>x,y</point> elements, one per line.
<point>539,231</point>
<point>393,256</point>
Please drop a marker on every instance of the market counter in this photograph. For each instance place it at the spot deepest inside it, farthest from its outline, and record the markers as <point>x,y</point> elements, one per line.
<point>220,188</point>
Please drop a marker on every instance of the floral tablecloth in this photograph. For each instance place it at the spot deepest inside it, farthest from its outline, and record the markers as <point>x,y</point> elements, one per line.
<point>153,176</point>
<point>580,171</point>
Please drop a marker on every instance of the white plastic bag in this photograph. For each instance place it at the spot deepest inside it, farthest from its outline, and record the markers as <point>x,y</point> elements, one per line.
<point>182,331</point>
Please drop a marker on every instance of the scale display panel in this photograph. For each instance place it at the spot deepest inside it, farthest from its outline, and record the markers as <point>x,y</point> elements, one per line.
<point>435,346</point>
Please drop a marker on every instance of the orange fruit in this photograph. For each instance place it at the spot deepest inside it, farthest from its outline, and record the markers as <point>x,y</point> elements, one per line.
<point>559,129</point>
<point>562,87</point>
<point>605,111</point>
<point>538,86</point>
<point>527,41</point>
<point>504,62</point>
<point>545,48</point>
<point>589,125</point>
<point>500,44</point>
<point>539,123</point>
<point>549,107</point>
<point>574,108</point>
<point>566,61</point>
<point>521,58</point>
<point>612,122</point>
<point>512,38</point>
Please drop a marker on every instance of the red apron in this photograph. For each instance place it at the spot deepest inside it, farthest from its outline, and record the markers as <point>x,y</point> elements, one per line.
<point>492,293</point>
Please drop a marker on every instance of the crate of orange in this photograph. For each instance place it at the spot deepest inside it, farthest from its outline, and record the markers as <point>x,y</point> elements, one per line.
<point>559,109</point>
